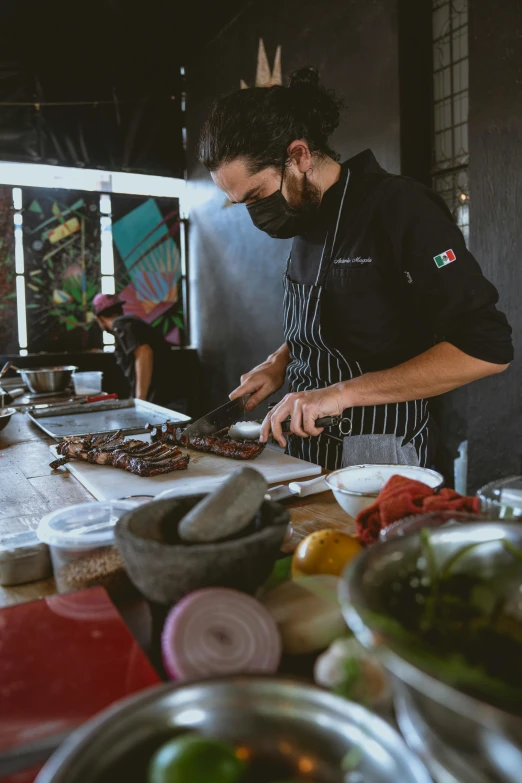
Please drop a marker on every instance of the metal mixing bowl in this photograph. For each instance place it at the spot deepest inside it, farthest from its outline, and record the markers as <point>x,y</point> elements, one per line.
<point>44,380</point>
<point>5,417</point>
<point>477,736</point>
<point>308,728</point>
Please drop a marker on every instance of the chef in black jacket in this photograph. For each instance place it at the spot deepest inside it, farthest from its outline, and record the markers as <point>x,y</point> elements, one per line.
<point>384,306</point>
<point>141,352</point>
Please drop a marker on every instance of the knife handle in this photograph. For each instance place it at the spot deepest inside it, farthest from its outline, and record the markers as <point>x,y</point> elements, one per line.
<point>312,487</point>
<point>326,421</point>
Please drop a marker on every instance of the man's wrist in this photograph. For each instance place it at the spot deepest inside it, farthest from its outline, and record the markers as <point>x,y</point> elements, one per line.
<point>281,356</point>
<point>344,395</point>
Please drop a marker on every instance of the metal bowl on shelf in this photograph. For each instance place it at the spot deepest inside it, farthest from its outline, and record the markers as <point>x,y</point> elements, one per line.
<point>5,417</point>
<point>276,721</point>
<point>46,380</point>
<point>483,742</point>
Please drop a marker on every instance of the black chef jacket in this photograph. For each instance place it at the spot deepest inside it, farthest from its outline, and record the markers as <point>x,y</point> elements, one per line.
<point>131,332</point>
<point>401,277</point>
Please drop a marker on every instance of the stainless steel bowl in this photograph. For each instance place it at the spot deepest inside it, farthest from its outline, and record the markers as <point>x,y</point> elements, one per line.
<point>5,417</point>
<point>43,380</point>
<point>474,733</point>
<point>310,729</point>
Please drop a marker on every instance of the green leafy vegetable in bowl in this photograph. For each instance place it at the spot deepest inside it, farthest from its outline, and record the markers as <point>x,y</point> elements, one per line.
<point>464,628</point>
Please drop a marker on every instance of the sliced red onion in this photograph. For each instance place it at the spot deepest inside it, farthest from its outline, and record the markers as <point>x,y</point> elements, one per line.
<point>218,631</point>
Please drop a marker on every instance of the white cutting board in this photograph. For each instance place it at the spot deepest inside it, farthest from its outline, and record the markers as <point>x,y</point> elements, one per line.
<point>204,473</point>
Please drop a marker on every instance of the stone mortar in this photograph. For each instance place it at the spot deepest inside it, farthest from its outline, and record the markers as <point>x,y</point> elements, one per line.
<point>165,570</point>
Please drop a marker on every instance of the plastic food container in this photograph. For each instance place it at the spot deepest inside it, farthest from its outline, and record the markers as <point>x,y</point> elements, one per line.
<point>23,558</point>
<point>87,382</point>
<point>83,552</point>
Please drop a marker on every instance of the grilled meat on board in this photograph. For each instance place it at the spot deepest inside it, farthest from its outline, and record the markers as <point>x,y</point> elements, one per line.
<point>135,456</point>
<point>222,446</point>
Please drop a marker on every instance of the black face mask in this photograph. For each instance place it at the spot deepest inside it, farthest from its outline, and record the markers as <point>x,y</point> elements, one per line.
<point>275,216</point>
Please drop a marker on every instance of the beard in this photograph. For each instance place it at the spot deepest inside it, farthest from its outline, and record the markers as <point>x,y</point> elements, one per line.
<point>284,216</point>
<point>304,198</point>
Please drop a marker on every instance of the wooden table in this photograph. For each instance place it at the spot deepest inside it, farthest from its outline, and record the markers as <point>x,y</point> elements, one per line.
<point>29,489</point>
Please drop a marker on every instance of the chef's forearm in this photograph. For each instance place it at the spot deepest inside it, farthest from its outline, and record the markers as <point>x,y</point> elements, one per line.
<point>436,371</point>
<point>282,355</point>
<point>144,364</point>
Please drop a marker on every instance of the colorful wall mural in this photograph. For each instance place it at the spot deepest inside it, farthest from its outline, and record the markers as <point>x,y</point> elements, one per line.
<point>61,235</point>
<point>61,244</point>
<point>146,235</point>
<point>8,322</point>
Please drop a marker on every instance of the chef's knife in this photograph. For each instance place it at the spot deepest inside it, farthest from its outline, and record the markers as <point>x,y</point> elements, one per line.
<point>51,406</point>
<point>234,411</point>
<point>224,416</point>
<point>82,407</point>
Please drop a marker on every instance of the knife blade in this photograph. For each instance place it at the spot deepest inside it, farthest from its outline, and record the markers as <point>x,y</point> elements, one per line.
<point>224,416</point>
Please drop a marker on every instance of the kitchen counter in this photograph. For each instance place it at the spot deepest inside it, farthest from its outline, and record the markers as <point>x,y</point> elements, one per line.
<point>29,489</point>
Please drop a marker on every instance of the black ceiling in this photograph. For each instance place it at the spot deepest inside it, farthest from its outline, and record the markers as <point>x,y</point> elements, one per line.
<point>126,54</point>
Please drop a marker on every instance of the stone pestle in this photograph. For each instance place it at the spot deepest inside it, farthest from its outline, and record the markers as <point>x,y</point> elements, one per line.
<point>226,511</point>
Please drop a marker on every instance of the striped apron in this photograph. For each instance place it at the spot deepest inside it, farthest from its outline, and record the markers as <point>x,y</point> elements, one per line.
<point>395,433</point>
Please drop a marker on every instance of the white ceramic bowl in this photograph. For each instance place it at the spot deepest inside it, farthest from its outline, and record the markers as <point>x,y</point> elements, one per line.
<point>357,486</point>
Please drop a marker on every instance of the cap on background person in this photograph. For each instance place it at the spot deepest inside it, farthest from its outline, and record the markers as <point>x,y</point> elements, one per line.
<point>103,302</point>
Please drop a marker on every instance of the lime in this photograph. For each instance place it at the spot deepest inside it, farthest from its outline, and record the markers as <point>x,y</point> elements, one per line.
<point>192,758</point>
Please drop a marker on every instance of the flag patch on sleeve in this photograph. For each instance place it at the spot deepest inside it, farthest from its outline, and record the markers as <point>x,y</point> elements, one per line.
<point>445,258</point>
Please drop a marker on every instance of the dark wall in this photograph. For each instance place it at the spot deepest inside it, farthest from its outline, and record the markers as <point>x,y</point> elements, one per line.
<point>416,94</point>
<point>237,270</point>
<point>495,127</point>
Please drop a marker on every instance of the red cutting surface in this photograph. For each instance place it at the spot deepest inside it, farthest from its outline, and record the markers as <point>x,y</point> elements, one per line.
<point>62,660</point>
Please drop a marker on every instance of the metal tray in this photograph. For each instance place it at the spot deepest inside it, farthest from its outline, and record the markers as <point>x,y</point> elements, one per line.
<point>131,421</point>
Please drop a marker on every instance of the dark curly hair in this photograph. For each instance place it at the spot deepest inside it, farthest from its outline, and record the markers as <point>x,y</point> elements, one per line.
<point>259,123</point>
